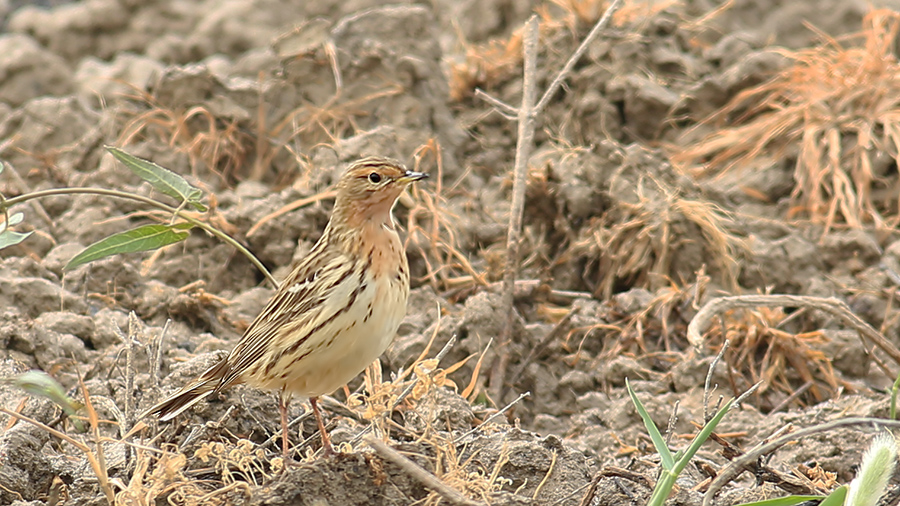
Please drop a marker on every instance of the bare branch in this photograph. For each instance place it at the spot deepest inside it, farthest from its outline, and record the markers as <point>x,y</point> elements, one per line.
<point>570,64</point>
<point>707,416</point>
<point>509,112</point>
<point>490,418</point>
<point>523,150</point>
<point>419,474</point>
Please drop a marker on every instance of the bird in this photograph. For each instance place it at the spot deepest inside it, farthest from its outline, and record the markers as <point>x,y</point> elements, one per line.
<point>334,314</point>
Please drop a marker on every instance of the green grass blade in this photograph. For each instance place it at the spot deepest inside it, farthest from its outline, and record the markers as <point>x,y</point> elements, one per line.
<point>161,178</point>
<point>40,383</point>
<point>701,437</point>
<point>790,500</point>
<point>894,389</point>
<point>148,237</point>
<point>665,455</point>
<point>835,498</point>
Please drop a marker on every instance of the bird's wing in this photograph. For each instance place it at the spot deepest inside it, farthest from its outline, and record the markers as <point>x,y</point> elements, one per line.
<point>301,299</point>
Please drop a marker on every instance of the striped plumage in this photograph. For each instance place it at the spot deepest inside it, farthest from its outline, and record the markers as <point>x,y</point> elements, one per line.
<point>336,312</point>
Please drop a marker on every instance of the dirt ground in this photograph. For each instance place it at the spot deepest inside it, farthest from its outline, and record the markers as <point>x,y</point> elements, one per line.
<point>643,203</point>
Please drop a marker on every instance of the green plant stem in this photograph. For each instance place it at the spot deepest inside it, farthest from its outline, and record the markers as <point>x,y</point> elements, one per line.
<point>663,488</point>
<point>150,202</point>
<point>894,389</point>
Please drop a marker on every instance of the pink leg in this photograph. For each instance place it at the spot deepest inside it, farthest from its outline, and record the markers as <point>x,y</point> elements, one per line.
<point>326,442</point>
<point>283,400</point>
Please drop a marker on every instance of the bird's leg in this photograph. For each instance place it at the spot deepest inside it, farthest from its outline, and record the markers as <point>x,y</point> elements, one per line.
<point>326,442</point>
<point>283,400</point>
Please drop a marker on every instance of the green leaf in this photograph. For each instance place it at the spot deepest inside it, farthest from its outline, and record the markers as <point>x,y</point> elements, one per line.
<point>42,384</point>
<point>665,455</point>
<point>148,237</point>
<point>161,178</point>
<point>836,498</point>
<point>790,500</point>
<point>9,238</point>
<point>15,219</point>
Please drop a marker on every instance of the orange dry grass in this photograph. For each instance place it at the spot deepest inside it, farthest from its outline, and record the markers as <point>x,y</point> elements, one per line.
<point>432,229</point>
<point>782,360</point>
<point>485,64</point>
<point>222,148</point>
<point>838,107</point>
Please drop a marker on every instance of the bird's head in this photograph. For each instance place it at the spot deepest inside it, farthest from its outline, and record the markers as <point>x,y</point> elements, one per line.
<point>368,189</point>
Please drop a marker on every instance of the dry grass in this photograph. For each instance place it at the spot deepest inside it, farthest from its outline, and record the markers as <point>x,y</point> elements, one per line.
<point>836,108</point>
<point>221,147</point>
<point>485,65</point>
<point>785,362</point>
<point>432,230</point>
<point>637,241</point>
<point>488,64</point>
<point>651,331</point>
<point>459,474</point>
<point>237,150</point>
<point>580,13</point>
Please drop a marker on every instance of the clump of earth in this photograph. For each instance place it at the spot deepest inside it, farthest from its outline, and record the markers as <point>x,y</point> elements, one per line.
<point>262,105</point>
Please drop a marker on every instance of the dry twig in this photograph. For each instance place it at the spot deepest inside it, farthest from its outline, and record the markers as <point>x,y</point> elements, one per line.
<point>418,473</point>
<point>739,464</point>
<point>527,114</point>
<point>830,305</point>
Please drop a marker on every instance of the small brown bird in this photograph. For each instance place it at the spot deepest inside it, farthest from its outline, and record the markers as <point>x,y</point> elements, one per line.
<point>334,314</point>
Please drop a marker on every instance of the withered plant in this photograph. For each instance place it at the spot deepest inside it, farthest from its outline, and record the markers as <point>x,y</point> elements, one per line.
<point>834,112</point>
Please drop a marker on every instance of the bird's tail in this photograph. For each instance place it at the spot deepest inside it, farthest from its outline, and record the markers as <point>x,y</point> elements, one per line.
<point>194,392</point>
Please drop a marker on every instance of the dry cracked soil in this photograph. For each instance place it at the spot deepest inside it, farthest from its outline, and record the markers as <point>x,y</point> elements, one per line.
<point>262,104</point>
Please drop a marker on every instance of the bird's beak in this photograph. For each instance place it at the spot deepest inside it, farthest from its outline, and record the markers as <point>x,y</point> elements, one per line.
<point>411,176</point>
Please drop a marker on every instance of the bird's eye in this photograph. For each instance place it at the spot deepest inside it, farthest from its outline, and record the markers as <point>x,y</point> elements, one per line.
<point>375,177</point>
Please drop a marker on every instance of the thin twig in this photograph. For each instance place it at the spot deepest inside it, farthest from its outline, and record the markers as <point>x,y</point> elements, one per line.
<point>741,398</point>
<point>130,370</point>
<point>419,474</point>
<point>156,358</point>
<point>541,346</point>
<point>507,111</point>
<point>527,118</point>
<point>495,415</point>
<point>785,481</point>
<point>791,398</point>
<point>830,305</point>
<point>570,64</point>
<point>524,143</point>
<point>673,419</point>
<point>737,465</point>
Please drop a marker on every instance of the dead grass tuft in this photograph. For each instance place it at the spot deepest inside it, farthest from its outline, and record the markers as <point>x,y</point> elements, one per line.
<point>460,474</point>
<point>836,108</point>
<point>485,65</point>
<point>637,242</point>
<point>650,331</point>
<point>787,363</point>
<point>236,150</point>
